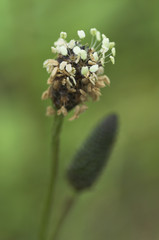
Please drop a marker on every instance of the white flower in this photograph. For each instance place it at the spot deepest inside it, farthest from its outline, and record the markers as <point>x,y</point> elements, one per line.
<point>76,50</point>
<point>112,59</point>
<point>84,70</point>
<point>94,68</point>
<point>113,52</point>
<point>63,51</point>
<point>54,50</point>
<point>63,65</point>
<point>71,44</point>
<point>93,31</point>
<point>81,34</point>
<point>68,68</point>
<point>95,55</point>
<point>63,35</point>
<point>98,36</point>
<point>83,54</point>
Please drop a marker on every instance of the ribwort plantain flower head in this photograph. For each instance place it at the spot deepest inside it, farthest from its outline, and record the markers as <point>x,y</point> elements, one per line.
<point>91,158</point>
<point>77,72</point>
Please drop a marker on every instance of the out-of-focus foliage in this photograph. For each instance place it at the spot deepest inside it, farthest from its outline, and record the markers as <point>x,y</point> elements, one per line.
<point>124,203</point>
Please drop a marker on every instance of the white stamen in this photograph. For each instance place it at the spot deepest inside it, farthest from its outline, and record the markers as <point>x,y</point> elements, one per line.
<point>103,36</point>
<point>63,35</point>
<point>93,31</point>
<point>98,36</point>
<point>68,68</point>
<point>63,65</point>
<point>104,50</point>
<point>102,61</point>
<point>95,55</point>
<point>83,54</point>
<point>81,34</point>
<point>48,69</point>
<point>60,42</point>
<point>45,63</point>
<point>84,70</point>
<point>54,50</point>
<point>113,52</point>
<point>94,68</point>
<point>112,59</point>
<point>105,42</point>
<point>63,51</point>
<point>71,44</point>
<point>111,44</point>
<point>76,50</point>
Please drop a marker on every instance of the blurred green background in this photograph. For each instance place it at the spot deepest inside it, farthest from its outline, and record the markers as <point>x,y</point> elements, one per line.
<point>124,204</point>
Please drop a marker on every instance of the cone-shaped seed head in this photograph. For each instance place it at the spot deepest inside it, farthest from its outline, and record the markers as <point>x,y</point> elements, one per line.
<point>94,154</point>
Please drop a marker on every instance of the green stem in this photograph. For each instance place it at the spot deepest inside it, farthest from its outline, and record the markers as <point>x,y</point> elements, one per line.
<point>68,206</point>
<point>55,159</point>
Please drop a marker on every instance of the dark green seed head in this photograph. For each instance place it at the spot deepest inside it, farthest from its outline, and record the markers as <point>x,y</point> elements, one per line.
<point>93,155</point>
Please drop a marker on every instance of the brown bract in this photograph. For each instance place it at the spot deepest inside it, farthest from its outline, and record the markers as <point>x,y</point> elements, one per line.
<point>68,87</point>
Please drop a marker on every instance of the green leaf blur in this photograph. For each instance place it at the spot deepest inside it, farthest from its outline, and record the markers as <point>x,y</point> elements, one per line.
<point>124,203</point>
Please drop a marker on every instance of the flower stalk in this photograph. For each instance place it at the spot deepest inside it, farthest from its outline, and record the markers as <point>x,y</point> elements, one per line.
<point>58,120</point>
<point>67,209</point>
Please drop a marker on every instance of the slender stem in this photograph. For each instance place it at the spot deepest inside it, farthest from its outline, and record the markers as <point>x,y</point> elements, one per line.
<point>54,170</point>
<point>92,41</point>
<point>68,206</point>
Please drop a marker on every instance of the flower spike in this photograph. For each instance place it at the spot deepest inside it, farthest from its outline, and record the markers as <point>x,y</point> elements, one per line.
<point>76,73</point>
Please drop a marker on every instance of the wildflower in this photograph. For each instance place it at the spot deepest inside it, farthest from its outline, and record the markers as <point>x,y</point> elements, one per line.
<point>76,74</point>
